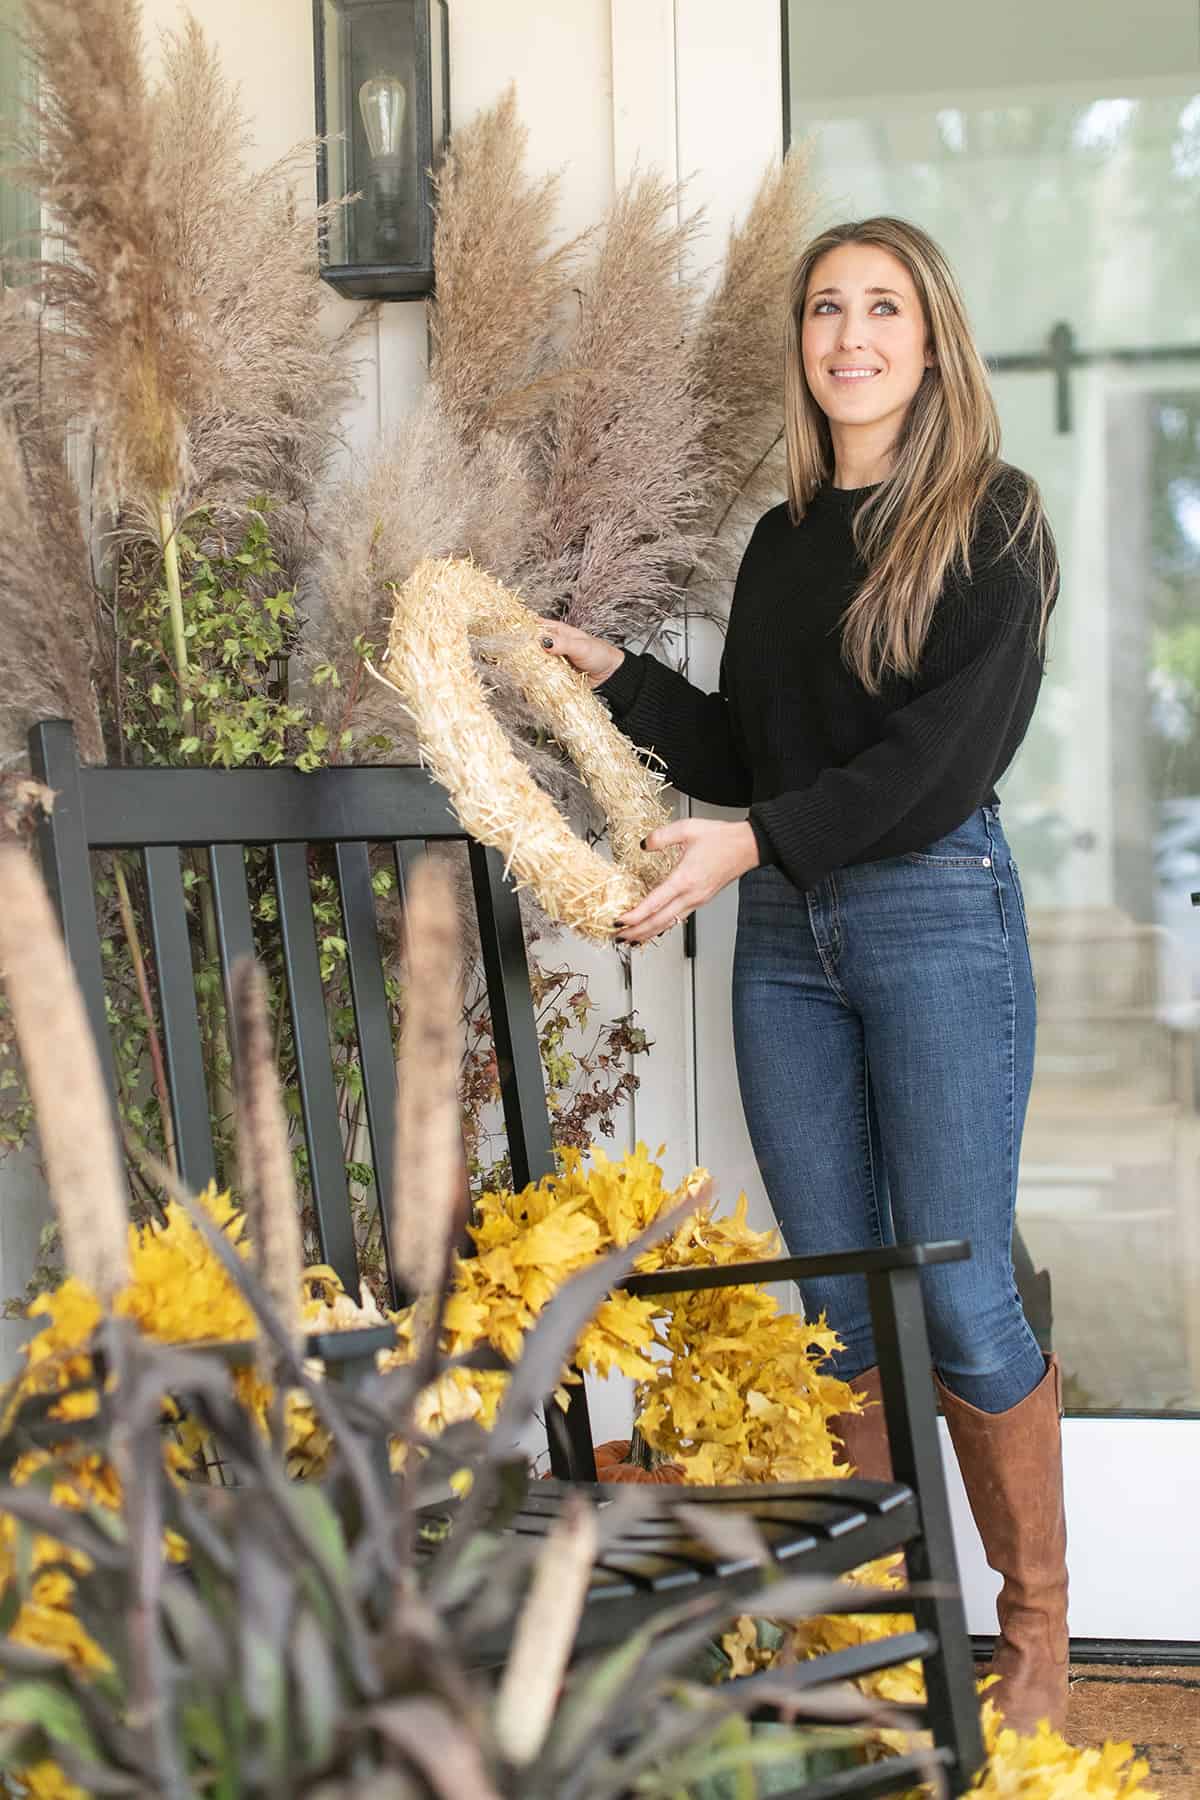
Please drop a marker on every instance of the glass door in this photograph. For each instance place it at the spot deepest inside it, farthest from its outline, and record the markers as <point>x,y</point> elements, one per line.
<point>1056,158</point>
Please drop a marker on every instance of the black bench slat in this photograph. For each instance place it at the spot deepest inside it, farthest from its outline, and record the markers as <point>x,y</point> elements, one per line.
<point>669,1539</point>
<point>180,1022</point>
<point>514,1027</point>
<point>310,1034</point>
<point>782,1538</point>
<point>64,847</point>
<point>661,1574</point>
<point>874,1781</point>
<point>407,853</point>
<point>129,808</point>
<point>694,1553</point>
<point>373,1022</point>
<point>606,1584</point>
<point>871,1496</point>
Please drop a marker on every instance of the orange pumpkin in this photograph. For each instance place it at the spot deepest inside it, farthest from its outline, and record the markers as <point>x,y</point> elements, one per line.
<point>613,1464</point>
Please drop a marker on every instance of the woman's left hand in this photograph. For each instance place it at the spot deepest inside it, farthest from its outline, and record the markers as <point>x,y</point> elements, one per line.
<point>714,855</point>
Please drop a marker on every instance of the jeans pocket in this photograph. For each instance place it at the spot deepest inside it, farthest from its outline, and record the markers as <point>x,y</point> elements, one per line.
<point>968,846</point>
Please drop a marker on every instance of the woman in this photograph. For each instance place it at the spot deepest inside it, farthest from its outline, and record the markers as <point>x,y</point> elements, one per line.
<point>883,657</point>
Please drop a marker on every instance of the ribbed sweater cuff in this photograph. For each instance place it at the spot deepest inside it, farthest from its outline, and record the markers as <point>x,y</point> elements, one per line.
<point>624,685</point>
<point>766,849</point>
<point>781,824</point>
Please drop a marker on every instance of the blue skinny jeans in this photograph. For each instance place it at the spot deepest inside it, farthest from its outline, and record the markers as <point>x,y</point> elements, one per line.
<point>884,1027</point>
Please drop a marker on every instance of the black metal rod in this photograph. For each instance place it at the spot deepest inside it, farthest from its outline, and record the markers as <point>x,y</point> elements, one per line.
<point>523,1096</point>
<point>314,1065</point>
<point>873,1781</point>
<point>795,1268</point>
<point>905,1364</point>
<point>64,852</point>
<point>514,1028</point>
<point>373,1021</point>
<point>407,854</point>
<point>1062,354</point>
<point>845,1665</point>
<point>182,1047</point>
<point>569,1437</point>
<point>1039,360</point>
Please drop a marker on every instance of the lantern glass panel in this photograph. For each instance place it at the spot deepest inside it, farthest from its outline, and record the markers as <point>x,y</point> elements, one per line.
<point>373,108</point>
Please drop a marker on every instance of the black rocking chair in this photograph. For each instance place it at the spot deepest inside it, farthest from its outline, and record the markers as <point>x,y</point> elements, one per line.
<point>823,1528</point>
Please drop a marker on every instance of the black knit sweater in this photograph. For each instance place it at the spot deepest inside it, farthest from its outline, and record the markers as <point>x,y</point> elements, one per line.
<point>833,775</point>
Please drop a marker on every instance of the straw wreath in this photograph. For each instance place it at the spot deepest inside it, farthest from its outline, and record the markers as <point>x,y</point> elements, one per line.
<point>428,663</point>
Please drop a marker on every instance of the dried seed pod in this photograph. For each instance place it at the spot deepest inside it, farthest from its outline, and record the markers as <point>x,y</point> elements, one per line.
<point>74,1119</point>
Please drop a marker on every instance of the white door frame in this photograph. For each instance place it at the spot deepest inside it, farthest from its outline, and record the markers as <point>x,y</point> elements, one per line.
<point>692,98</point>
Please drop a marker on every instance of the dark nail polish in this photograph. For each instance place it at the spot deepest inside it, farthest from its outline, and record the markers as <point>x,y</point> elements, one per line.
<point>642,842</point>
<point>547,643</point>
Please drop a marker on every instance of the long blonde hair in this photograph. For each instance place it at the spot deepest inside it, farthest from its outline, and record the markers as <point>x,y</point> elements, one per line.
<point>917,527</point>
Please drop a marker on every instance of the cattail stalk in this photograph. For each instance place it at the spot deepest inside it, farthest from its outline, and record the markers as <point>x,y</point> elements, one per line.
<point>545,1634</point>
<point>428,1184</point>
<point>264,1153</point>
<point>62,1066</point>
<point>137,958</point>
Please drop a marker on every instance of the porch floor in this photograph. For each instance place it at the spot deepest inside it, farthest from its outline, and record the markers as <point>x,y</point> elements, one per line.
<point>1156,1709</point>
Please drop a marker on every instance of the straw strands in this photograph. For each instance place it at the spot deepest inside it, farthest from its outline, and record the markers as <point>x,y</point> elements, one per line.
<point>496,800</point>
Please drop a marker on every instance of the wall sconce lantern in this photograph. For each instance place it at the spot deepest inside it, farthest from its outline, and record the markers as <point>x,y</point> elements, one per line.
<point>383,102</point>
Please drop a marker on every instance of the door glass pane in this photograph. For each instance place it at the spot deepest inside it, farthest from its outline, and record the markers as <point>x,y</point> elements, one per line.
<point>18,207</point>
<point>1062,177</point>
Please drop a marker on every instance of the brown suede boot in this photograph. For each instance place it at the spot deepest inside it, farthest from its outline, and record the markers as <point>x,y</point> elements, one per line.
<point>1011,1466</point>
<point>864,1437</point>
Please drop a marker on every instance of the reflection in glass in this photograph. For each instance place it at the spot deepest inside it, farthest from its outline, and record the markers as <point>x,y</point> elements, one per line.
<point>1058,205</point>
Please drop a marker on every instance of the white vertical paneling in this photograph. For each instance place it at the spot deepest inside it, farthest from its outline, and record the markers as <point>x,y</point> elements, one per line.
<point>643,87</point>
<point>560,58</point>
<point>403,360</point>
<point>729,86</point>
<point>644,124</point>
<point>267,48</point>
<point>729,131</point>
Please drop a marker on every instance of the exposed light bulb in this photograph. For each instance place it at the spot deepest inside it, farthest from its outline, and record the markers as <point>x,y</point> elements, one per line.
<point>383,101</point>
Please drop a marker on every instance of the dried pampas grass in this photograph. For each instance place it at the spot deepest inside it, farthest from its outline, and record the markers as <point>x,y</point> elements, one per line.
<point>135,336</point>
<point>278,375</point>
<point>623,452</point>
<point>736,356</point>
<point>596,433</point>
<point>429,1189</point>
<point>428,664</point>
<point>501,289</point>
<point>419,496</point>
<point>50,664</point>
<point>195,335</point>
<point>264,1154</point>
<point>75,1123</point>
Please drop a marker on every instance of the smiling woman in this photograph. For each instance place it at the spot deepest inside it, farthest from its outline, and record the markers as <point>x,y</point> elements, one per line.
<point>865,346</point>
<point>882,662</point>
<point>1054,153</point>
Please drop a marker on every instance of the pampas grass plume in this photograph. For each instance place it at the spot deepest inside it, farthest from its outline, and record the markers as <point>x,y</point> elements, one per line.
<point>264,1154</point>
<point>429,1179</point>
<point>74,1118</point>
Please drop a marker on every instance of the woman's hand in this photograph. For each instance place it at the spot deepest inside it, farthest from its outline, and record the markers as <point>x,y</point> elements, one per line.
<point>714,855</point>
<point>590,655</point>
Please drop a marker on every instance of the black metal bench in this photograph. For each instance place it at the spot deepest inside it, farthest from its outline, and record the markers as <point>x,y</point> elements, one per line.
<point>826,1528</point>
